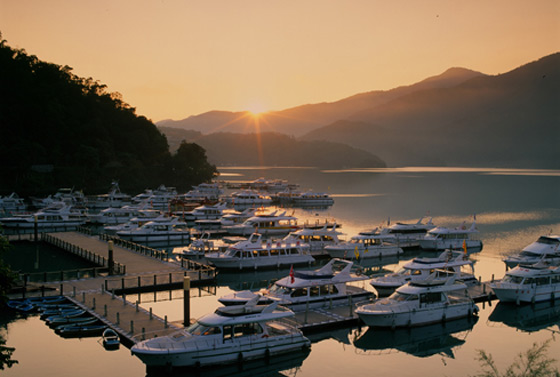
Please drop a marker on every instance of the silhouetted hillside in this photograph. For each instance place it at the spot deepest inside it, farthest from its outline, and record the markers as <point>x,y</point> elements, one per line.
<point>299,120</point>
<point>60,130</point>
<point>272,149</point>
<point>511,119</point>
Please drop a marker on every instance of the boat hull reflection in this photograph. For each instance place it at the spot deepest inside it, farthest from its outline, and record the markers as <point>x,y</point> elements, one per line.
<point>528,318</point>
<point>421,341</point>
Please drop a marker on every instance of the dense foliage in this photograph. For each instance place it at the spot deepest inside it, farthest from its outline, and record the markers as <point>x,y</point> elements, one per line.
<point>60,130</point>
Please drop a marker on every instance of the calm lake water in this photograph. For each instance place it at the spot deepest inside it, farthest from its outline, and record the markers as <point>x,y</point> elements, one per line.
<point>513,208</point>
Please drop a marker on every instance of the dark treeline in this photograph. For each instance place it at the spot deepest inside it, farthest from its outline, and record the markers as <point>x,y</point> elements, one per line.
<point>60,130</point>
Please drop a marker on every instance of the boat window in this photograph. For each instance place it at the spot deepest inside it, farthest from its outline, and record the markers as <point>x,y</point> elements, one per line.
<point>228,332</point>
<point>416,272</point>
<point>542,280</point>
<point>274,252</point>
<point>512,279</point>
<point>548,240</point>
<point>278,289</point>
<point>430,297</point>
<point>294,251</point>
<point>299,292</point>
<point>555,279</point>
<point>197,329</point>
<point>529,281</point>
<point>263,253</point>
<point>314,291</point>
<point>246,329</point>
<point>397,296</point>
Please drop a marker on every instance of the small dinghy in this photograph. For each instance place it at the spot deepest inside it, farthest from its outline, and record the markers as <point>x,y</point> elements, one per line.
<point>111,339</point>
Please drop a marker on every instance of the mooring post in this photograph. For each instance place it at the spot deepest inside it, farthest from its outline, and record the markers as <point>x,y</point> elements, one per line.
<point>73,291</point>
<point>186,301</point>
<point>93,307</point>
<point>151,317</point>
<point>136,306</point>
<point>35,228</point>
<point>111,262</point>
<point>143,333</point>
<point>165,321</point>
<point>105,310</point>
<point>83,296</point>
<point>132,327</point>
<point>118,318</point>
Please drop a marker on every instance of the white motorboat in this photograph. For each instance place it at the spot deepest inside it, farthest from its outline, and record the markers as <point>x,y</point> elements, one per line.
<point>317,239</point>
<point>529,283</point>
<point>158,198</point>
<point>204,212</point>
<point>203,192</point>
<point>237,217</point>
<point>366,244</point>
<point>11,204</point>
<point>204,245</point>
<point>545,249</point>
<point>111,340</point>
<point>310,198</point>
<point>113,199</point>
<point>232,334</point>
<point>254,253</point>
<point>406,235</point>
<point>170,230</point>
<point>65,195</point>
<point>248,197</point>
<point>267,224</point>
<point>422,267</point>
<point>441,238</point>
<point>420,303</point>
<point>325,287</point>
<point>113,215</point>
<point>57,216</point>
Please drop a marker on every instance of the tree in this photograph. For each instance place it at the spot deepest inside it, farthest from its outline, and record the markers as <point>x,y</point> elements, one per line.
<point>190,166</point>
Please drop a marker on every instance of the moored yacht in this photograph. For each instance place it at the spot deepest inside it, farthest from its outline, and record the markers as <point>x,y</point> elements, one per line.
<point>312,199</point>
<point>317,239</point>
<point>204,212</point>
<point>248,197</point>
<point>11,204</point>
<point>363,245</point>
<point>324,287</point>
<point>419,303</point>
<point>113,199</point>
<point>529,283</point>
<point>171,230</point>
<point>114,216</point>
<point>231,334</point>
<point>406,235</point>
<point>254,253</point>
<point>545,249</point>
<point>420,268</point>
<point>441,238</point>
<point>267,224</point>
<point>57,216</point>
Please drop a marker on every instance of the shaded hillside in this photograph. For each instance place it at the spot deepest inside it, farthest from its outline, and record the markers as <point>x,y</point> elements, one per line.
<point>272,149</point>
<point>299,120</point>
<point>511,119</point>
<point>60,130</point>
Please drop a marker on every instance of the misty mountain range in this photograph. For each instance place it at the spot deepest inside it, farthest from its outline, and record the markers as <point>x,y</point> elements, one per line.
<point>460,117</point>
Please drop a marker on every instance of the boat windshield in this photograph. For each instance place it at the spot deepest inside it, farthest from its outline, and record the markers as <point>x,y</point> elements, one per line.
<point>198,329</point>
<point>530,254</point>
<point>548,240</point>
<point>512,279</point>
<point>397,296</point>
<point>279,290</point>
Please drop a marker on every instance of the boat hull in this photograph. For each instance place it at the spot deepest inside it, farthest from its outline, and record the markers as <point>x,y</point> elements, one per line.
<point>441,245</point>
<point>525,294</point>
<point>259,263</point>
<point>416,317</point>
<point>221,353</point>
<point>351,253</point>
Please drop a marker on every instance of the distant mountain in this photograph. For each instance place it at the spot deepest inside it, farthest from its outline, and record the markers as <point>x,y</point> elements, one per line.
<point>302,119</point>
<point>272,149</point>
<point>512,119</point>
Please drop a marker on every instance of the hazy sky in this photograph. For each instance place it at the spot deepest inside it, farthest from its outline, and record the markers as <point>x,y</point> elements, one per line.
<point>176,58</point>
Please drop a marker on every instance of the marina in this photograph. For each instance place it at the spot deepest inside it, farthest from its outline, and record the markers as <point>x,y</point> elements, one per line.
<point>157,287</point>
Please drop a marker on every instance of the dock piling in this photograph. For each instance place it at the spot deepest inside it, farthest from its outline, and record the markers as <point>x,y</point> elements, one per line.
<point>186,301</point>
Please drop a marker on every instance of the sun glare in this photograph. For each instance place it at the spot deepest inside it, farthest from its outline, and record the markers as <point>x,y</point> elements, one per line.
<point>256,109</point>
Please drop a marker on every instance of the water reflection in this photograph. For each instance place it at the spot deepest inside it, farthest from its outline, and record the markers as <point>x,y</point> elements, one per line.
<point>421,341</point>
<point>281,365</point>
<point>528,318</point>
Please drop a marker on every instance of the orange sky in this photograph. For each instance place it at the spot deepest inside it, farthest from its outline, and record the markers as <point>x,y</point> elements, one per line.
<point>176,58</point>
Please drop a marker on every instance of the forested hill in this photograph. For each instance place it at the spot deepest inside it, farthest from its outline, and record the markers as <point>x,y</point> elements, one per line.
<point>273,149</point>
<point>60,130</point>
